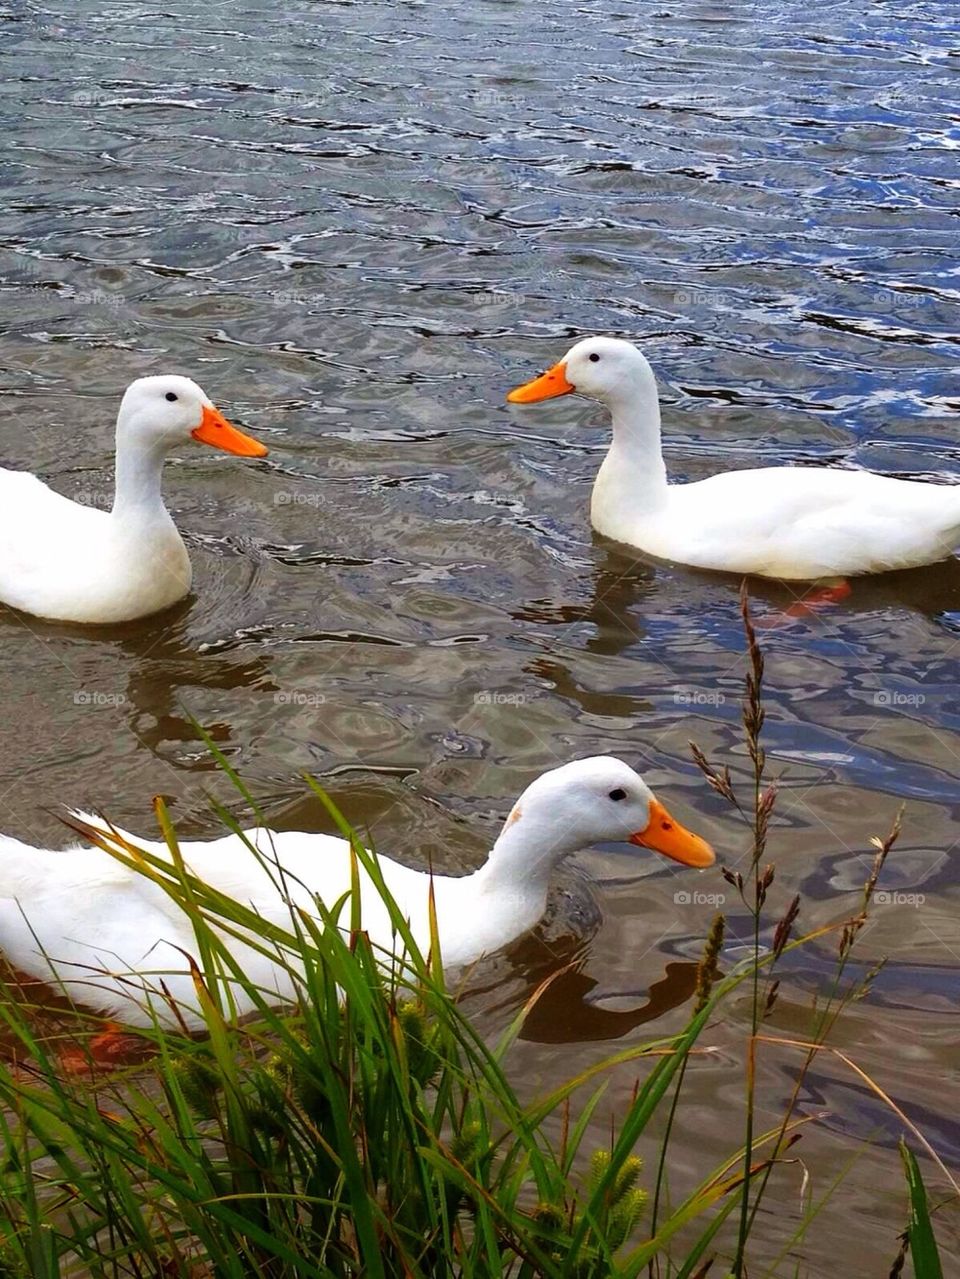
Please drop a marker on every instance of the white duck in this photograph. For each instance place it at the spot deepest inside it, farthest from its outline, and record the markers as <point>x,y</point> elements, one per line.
<point>106,935</point>
<point>74,563</point>
<point>798,523</point>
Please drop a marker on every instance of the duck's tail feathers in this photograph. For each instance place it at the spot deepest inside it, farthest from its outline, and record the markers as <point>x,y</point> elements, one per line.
<point>90,826</point>
<point>82,824</point>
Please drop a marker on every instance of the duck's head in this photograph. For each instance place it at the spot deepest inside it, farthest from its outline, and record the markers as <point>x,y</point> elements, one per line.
<point>168,410</point>
<point>598,800</point>
<point>606,369</point>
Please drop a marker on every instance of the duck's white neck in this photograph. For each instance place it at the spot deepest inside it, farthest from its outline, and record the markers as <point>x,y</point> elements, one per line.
<point>522,861</point>
<point>138,494</point>
<point>633,478</point>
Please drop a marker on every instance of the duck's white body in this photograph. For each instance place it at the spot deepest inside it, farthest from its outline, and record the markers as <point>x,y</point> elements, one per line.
<point>107,936</point>
<point>793,523</point>
<point>75,563</point>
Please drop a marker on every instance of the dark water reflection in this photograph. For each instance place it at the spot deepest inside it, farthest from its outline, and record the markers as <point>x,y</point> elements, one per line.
<point>357,225</point>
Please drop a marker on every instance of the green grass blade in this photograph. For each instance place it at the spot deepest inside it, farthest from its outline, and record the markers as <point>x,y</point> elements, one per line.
<point>923,1245</point>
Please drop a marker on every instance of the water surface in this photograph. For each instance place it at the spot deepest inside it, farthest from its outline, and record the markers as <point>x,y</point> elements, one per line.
<point>357,224</point>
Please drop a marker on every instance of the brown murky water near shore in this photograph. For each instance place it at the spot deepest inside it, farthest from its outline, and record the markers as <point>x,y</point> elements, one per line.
<point>357,225</point>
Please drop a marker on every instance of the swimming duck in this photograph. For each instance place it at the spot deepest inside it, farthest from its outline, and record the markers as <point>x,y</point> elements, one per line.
<point>74,563</point>
<point>105,935</point>
<point>792,523</point>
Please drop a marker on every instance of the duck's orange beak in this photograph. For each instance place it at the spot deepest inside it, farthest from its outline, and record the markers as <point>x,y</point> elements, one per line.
<point>553,382</point>
<point>216,430</point>
<point>664,835</point>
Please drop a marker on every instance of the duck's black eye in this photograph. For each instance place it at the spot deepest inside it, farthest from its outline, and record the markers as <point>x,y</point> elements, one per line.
<point>594,357</point>
<point>171,396</point>
<point>618,794</point>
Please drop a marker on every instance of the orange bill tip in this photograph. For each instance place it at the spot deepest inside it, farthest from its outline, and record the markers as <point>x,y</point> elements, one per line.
<point>665,835</point>
<point>214,429</point>
<point>553,382</point>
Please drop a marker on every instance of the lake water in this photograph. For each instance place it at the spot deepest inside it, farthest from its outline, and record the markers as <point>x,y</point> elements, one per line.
<point>357,225</point>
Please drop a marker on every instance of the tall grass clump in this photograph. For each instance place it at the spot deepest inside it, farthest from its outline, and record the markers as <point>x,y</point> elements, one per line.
<point>367,1129</point>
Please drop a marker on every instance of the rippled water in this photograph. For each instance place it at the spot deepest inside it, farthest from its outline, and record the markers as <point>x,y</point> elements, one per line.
<point>357,225</point>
